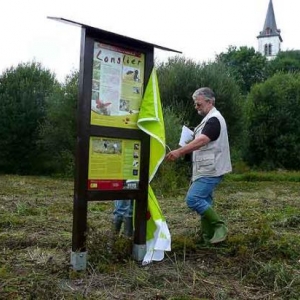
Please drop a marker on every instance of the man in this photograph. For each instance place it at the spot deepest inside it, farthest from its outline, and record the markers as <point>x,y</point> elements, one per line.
<point>123,214</point>
<point>211,160</point>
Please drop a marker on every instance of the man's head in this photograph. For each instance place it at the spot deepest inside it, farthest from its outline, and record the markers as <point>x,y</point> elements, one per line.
<point>204,100</point>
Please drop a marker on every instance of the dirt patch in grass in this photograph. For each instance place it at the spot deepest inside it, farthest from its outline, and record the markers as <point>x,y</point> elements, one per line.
<point>259,260</point>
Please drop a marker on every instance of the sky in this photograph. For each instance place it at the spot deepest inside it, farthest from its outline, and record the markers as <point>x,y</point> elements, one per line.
<point>200,29</point>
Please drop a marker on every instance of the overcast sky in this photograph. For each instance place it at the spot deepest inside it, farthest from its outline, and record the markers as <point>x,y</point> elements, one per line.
<point>199,28</point>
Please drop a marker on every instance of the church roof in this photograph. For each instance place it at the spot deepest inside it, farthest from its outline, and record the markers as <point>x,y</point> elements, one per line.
<point>270,27</point>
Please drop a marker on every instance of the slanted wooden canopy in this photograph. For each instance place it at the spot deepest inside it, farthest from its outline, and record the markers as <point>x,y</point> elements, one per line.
<point>114,36</point>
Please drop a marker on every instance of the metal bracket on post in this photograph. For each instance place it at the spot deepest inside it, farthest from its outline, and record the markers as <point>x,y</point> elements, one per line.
<point>139,252</point>
<point>78,260</point>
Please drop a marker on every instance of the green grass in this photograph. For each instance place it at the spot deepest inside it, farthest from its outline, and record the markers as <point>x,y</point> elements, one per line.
<point>259,260</point>
<point>265,176</point>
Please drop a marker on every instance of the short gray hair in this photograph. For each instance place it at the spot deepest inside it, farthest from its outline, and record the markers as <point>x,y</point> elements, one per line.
<point>206,92</point>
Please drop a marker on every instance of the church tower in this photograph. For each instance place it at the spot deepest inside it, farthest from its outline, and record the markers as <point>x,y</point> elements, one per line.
<point>269,39</point>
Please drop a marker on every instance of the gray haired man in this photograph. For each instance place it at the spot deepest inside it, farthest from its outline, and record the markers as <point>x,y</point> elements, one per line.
<point>211,160</point>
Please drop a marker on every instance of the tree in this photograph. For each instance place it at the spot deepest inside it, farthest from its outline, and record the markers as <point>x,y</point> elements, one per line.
<point>286,61</point>
<point>58,131</point>
<point>246,65</point>
<point>23,93</point>
<point>180,77</point>
<point>274,124</point>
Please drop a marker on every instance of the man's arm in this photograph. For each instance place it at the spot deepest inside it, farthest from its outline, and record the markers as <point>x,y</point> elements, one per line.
<point>211,132</point>
<point>195,144</point>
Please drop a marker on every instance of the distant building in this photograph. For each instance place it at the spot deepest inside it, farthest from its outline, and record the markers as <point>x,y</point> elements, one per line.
<point>269,39</point>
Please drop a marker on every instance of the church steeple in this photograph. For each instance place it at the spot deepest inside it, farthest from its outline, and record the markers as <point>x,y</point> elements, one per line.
<point>269,39</point>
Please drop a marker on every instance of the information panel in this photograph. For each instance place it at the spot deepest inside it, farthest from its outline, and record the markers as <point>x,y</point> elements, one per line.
<point>117,86</point>
<point>114,164</point>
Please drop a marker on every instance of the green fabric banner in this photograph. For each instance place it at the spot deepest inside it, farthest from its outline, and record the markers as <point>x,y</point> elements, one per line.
<point>151,121</point>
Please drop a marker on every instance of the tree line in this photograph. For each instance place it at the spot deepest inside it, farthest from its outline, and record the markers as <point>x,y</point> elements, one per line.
<point>260,100</point>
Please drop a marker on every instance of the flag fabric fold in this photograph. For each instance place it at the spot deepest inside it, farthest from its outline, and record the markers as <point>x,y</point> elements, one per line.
<point>150,120</point>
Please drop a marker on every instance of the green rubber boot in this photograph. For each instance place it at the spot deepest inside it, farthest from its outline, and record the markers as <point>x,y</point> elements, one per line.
<point>206,230</point>
<point>217,226</point>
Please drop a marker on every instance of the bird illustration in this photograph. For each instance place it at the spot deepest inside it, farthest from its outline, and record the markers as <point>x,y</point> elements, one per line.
<point>103,107</point>
<point>132,75</point>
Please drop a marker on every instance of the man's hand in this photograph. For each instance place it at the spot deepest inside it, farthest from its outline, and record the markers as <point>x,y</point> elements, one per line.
<point>173,155</point>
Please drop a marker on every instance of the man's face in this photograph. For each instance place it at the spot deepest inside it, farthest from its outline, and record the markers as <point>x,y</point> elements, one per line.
<point>203,107</point>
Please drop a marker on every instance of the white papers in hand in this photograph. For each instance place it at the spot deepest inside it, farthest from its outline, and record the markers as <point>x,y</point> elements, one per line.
<point>187,135</point>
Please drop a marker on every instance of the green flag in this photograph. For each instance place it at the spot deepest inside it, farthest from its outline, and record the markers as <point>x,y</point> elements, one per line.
<point>150,120</point>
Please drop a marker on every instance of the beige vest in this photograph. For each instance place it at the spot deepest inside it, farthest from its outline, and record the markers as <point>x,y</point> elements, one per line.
<point>212,159</point>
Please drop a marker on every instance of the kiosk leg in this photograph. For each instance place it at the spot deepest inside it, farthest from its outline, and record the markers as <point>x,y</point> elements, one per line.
<point>79,253</point>
<point>138,252</point>
<point>78,260</point>
<point>139,243</point>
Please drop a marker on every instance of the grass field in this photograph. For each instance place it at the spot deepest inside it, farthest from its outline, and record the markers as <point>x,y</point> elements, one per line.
<point>260,259</point>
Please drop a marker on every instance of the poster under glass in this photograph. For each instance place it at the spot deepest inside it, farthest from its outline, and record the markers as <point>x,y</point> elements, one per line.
<point>114,163</point>
<point>117,86</point>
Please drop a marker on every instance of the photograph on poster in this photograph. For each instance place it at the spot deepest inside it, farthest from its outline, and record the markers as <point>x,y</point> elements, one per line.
<point>95,95</point>
<point>124,105</point>
<point>131,74</point>
<point>96,64</point>
<point>96,73</point>
<point>96,85</point>
<point>136,90</point>
<point>100,107</point>
<point>107,146</point>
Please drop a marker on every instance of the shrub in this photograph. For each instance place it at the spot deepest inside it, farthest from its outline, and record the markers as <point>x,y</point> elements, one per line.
<point>273,110</point>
